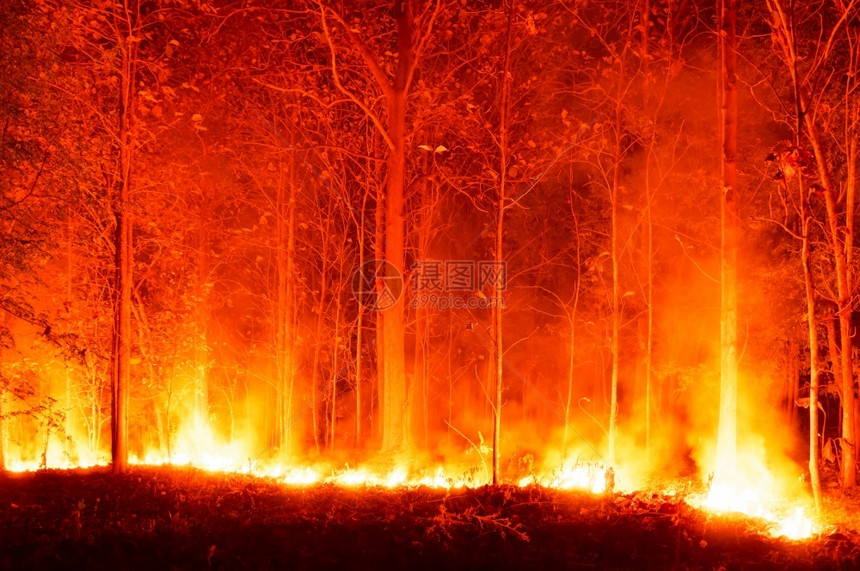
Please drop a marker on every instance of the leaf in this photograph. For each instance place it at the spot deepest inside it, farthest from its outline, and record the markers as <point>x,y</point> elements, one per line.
<point>530,25</point>
<point>425,147</point>
<point>440,149</point>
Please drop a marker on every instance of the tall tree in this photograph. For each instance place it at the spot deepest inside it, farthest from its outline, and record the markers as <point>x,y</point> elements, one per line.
<point>498,249</point>
<point>812,327</point>
<point>810,79</point>
<point>393,130</point>
<point>726,458</point>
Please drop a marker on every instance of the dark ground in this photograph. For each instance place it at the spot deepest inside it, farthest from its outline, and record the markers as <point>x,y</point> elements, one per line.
<point>167,518</point>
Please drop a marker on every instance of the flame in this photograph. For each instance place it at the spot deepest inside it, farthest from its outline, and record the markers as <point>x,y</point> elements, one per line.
<point>18,465</point>
<point>797,526</point>
<point>301,476</point>
<point>582,477</point>
<point>753,491</point>
<point>787,522</point>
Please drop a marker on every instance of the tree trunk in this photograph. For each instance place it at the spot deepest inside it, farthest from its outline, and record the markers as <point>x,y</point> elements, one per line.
<point>571,317</point>
<point>281,312</point>
<point>2,430</point>
<point>379,250</point>
<point>497,331</point>
<point>333,398</point>
<point>726,458</point>
<point>450,389</point>
<point>318,340</point>
<point>853,113</point>
<point>649,340</point>
<point>830,324</point>
<point>68,402</point>
<point>616,289</point>
<point>814,441</point>
<point>121,354</point>
<point>284,312</point>
<point>498,285</point>
<point>844,308</point>
<point>646,321</point>
<point>569,400</point>
<point>792,376</point>
<point>160,430</point>
<point>359,328</point>
<point>290,314</point>
<point>420,376</point>
<point>419,379</point>
<point>201,346</point>
<point>393,389</point>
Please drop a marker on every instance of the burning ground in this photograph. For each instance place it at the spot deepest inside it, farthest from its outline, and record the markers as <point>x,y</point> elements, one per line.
<point>187,518</point>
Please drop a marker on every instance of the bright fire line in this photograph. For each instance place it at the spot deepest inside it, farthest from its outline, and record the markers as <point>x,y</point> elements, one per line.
<point>789,523</point>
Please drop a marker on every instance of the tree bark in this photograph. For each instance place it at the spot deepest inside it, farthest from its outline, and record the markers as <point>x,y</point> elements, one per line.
<point>333,398</point>
<point>393,389</point>
<point>318,339</point>
<point>726,458</point>
<point>2,430</point>
<point>68,402</point>
<point>646,321</point>
<point>379,252</point>
<point>284,312</point>
<point>121,354</point>
<point>499,252</point>
<point>290,313</point>
<point>851,155</point>
<point>201,346</point>
<point>571,318</point>
<point>616,288</point>
<point>359,327</point>
<point>420,376</point>
<point>850,208</point>
<point>844,307</point>
<point>814,442</point>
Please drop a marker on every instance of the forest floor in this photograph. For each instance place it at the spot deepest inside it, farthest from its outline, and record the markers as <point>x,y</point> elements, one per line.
<point>173,518</point>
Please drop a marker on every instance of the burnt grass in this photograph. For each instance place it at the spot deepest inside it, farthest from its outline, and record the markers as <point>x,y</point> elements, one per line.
<point>170,518</point>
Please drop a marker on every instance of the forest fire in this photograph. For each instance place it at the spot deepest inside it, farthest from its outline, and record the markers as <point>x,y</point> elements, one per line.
<point>784,519</point>
<point>448,283</point>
